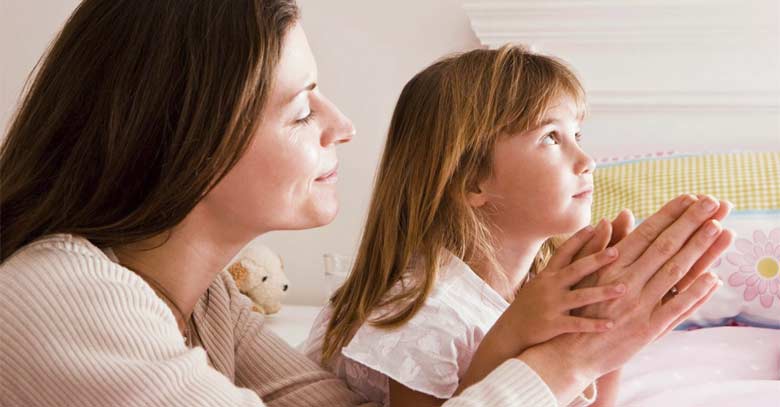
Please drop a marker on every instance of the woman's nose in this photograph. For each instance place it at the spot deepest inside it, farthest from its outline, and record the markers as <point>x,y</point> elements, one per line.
<point>339,129</point>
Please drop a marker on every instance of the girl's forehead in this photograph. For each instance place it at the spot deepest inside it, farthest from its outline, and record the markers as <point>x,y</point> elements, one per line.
<point>560,111</point>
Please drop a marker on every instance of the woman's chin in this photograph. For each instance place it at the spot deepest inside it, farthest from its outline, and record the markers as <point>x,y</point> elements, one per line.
<point>313,217</point>
<point>324,214</point>
<point>329,217</point>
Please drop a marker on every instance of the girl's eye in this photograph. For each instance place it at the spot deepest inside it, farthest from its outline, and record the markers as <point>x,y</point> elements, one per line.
<point>578,137</point>
<point>550,139</point>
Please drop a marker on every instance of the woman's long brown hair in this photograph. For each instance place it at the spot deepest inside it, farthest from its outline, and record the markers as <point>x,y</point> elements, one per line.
<point>137,110</point>
<point>438,149</point>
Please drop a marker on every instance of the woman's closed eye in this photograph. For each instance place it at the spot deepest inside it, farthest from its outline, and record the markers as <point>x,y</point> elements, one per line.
<point>305,120</point>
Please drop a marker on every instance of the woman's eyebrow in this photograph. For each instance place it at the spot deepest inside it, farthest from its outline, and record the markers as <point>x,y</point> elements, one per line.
<point>310,87</point>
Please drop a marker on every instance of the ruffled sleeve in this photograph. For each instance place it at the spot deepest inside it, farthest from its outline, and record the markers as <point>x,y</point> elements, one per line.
<point>427,354</point>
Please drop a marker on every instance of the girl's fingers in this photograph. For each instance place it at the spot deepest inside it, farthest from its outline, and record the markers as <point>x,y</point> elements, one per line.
<point>608,233</point>
<point>691,310</point>
<point>563,256</point>
<point>575,272</point>
<point>586,296</point>
<point>598,241</point>
<point>569,324</point>
<point>705,261</point>
<point>667,313</point>
<point>621,226</point>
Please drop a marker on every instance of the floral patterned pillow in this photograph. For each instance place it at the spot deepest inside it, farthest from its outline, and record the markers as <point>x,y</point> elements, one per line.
<point>750,268</point>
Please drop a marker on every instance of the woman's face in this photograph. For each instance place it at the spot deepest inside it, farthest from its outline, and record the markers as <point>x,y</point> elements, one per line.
<point>542,182</point>
<point>287,177</point>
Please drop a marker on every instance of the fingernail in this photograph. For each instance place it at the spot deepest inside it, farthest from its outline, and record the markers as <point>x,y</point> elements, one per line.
<point>620,288</point>
<point>609,325</point>
<point>588,229</point>
<point>688,200</point>
<point>711,277</point>
<point>611,252</point>
<point>711,228</point>
<point>708,204</point>
<point>730,205</point>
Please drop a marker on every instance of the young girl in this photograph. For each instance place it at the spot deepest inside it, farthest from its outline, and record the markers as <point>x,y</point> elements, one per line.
<point>482,168</point>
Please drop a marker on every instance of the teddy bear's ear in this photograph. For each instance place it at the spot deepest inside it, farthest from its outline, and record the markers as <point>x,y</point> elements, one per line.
<point>239,273</point>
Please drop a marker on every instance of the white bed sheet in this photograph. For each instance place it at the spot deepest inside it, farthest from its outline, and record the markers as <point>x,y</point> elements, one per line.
<point>293,322</point>
<point>720,367</point>
<point>713,367</point>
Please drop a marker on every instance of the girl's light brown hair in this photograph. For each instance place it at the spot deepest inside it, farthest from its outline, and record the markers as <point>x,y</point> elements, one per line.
<point>138,109</point>
<point>438,149</point>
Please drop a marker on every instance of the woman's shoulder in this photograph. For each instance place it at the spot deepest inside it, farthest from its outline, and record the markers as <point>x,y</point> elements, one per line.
<point>65,278</point>
<point>55,245</point>
<point>74,319</point>
<point>63,260</point>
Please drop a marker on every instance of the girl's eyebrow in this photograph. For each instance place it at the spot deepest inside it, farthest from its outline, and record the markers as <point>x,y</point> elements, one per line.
<point>550,120</point>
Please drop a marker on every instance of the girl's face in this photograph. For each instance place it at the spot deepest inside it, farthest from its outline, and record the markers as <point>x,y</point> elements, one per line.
<point>287,177</point>
<point>542,182</point>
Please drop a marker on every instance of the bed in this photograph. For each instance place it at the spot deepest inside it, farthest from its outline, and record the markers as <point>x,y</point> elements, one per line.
<point>730,366</point>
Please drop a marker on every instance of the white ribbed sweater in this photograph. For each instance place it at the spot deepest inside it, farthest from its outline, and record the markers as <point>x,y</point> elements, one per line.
<point>77,329</point>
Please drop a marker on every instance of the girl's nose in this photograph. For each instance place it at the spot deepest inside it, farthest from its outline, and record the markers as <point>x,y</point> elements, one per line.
<point>585,164</point>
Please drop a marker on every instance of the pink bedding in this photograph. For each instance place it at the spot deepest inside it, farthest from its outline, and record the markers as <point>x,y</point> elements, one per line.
<point>723,366</point>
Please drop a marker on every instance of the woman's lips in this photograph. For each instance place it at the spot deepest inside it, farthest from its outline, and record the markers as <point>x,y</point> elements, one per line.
<point>329,177</point>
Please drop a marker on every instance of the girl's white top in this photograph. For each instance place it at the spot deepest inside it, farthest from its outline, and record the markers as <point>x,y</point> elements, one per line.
<point>431,351</point>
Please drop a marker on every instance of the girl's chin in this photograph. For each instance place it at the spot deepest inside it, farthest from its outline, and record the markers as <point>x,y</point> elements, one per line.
<point>576,223</point>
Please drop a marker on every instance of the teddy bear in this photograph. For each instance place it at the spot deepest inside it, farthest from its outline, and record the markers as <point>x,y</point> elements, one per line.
<point>259,274</point>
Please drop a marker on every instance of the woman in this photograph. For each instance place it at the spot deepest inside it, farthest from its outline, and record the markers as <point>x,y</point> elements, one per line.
<point>158,139</point>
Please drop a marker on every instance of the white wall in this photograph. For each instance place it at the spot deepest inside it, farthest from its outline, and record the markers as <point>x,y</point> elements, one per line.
<point>26,28</point>
<point>684,75</point>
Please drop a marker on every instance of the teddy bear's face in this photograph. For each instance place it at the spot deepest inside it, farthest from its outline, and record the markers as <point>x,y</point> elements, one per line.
<point>264,274</point>
<point>262,281</point>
